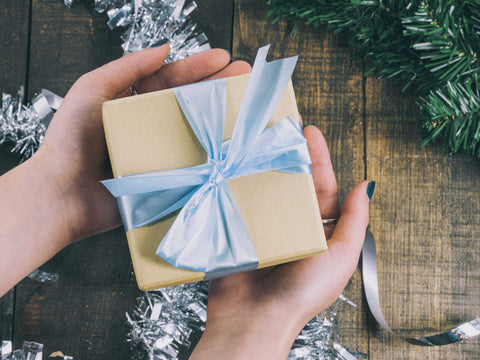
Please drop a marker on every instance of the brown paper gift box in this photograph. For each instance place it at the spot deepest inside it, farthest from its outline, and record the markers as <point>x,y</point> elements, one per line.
<point>149,133</point>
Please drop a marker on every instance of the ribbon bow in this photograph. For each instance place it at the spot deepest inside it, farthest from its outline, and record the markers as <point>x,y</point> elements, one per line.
<point>209,234</point>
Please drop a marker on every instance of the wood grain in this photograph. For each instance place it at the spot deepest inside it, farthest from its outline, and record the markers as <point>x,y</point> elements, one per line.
<point>425,215</point>
<point>66,43</point>
<point>215,19</point>
<point>425,211</point>
<point>14,25</point>
<point>328,88</point>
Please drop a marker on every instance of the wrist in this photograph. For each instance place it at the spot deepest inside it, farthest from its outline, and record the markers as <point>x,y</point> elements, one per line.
<point>33,224</point>
<point>52,201</point>
<point>262,333</point>
<point>61,185</point>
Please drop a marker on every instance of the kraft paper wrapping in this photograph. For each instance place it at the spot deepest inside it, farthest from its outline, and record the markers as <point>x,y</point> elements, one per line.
<point>149,132</point>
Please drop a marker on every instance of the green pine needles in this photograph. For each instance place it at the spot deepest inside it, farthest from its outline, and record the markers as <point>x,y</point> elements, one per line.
<point>431,47</point>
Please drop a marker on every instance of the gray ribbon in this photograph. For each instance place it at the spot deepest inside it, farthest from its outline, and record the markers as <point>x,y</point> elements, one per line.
<point>370,283</point>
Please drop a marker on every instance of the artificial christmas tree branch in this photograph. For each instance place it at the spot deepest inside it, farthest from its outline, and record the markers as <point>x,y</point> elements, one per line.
<point>429,46</point>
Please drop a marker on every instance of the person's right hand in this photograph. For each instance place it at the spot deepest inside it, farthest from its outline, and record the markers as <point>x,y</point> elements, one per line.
<point>258,314</point>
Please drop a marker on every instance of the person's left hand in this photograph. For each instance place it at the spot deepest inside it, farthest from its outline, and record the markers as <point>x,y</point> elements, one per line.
<point>74,151</point>
<point>55,197</point>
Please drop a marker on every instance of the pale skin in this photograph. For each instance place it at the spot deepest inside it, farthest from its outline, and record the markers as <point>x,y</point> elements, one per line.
<point>55,199</point>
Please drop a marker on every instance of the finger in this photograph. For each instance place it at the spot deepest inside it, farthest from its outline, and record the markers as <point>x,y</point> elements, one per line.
<point>347,239</point>
<point>322,172</point>
<point>186,71</point>
<point>235,68</point>
<point>116,76</point>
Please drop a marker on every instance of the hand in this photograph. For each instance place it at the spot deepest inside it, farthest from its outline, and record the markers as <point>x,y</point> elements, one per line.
<point>55,198</point>
<point>74,151</point>
<point>258,314</point>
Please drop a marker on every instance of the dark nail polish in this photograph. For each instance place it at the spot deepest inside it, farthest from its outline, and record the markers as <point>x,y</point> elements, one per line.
<point>160,43</point>
<point>370,189</point>
<point>308,124</point>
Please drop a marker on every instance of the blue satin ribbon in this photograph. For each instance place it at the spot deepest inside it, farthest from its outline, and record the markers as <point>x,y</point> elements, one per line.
<point>209,234</point>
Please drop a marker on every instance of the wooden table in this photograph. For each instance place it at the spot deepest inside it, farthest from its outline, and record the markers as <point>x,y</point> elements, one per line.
<point>425,212</point>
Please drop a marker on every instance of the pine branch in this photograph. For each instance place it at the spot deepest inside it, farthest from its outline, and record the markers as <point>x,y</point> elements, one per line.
<point>429,46</point>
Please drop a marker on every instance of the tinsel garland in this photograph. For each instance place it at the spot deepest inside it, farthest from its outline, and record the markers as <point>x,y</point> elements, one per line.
<point>147,22</point>
<point>30,351</point>
<point>167,324</point>
<point>430,46</point>
<point>23,126</point>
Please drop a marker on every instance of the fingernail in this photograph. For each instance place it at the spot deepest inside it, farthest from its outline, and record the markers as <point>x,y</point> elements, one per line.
<point>160,43</point>
<point>308,124</point>
<point>370,189</point>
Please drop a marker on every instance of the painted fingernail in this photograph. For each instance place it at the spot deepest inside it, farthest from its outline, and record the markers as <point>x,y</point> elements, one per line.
<point>370,189</point>
<point>160,43</point>
<point>308,124</point>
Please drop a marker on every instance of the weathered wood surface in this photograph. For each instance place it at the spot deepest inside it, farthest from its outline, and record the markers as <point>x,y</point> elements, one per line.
<point>424,212</point>
<point>425,215</point>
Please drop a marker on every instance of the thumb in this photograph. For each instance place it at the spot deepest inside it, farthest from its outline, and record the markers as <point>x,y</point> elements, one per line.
<point>347,239</point>
<point>116,76</point>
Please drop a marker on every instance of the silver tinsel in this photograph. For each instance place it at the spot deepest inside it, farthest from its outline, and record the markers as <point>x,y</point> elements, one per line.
<point>149,22</point>
<point>30,351</point>
<point>167,323</point>
<point>43,276</point>
<point>23,126</point>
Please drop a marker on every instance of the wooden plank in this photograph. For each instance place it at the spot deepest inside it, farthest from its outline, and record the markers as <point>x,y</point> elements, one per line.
<point>83,314</point>
<point>14,20</point>
<point>329,93</point>
<point>425,215</point>
<point>215,19</point>
<point>66,43</point>
<point>13,42</point>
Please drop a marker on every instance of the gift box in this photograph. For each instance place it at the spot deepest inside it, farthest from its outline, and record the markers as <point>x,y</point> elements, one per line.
<point>268,212</point>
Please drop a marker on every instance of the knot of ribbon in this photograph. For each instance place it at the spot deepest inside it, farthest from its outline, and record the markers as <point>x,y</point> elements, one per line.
<point>209,234</point>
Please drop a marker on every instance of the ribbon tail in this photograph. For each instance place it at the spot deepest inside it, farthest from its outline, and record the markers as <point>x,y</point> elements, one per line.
<point>265,88</point>
<point>209,235</point>
<point>186,245</point>
<point>233,251</point>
